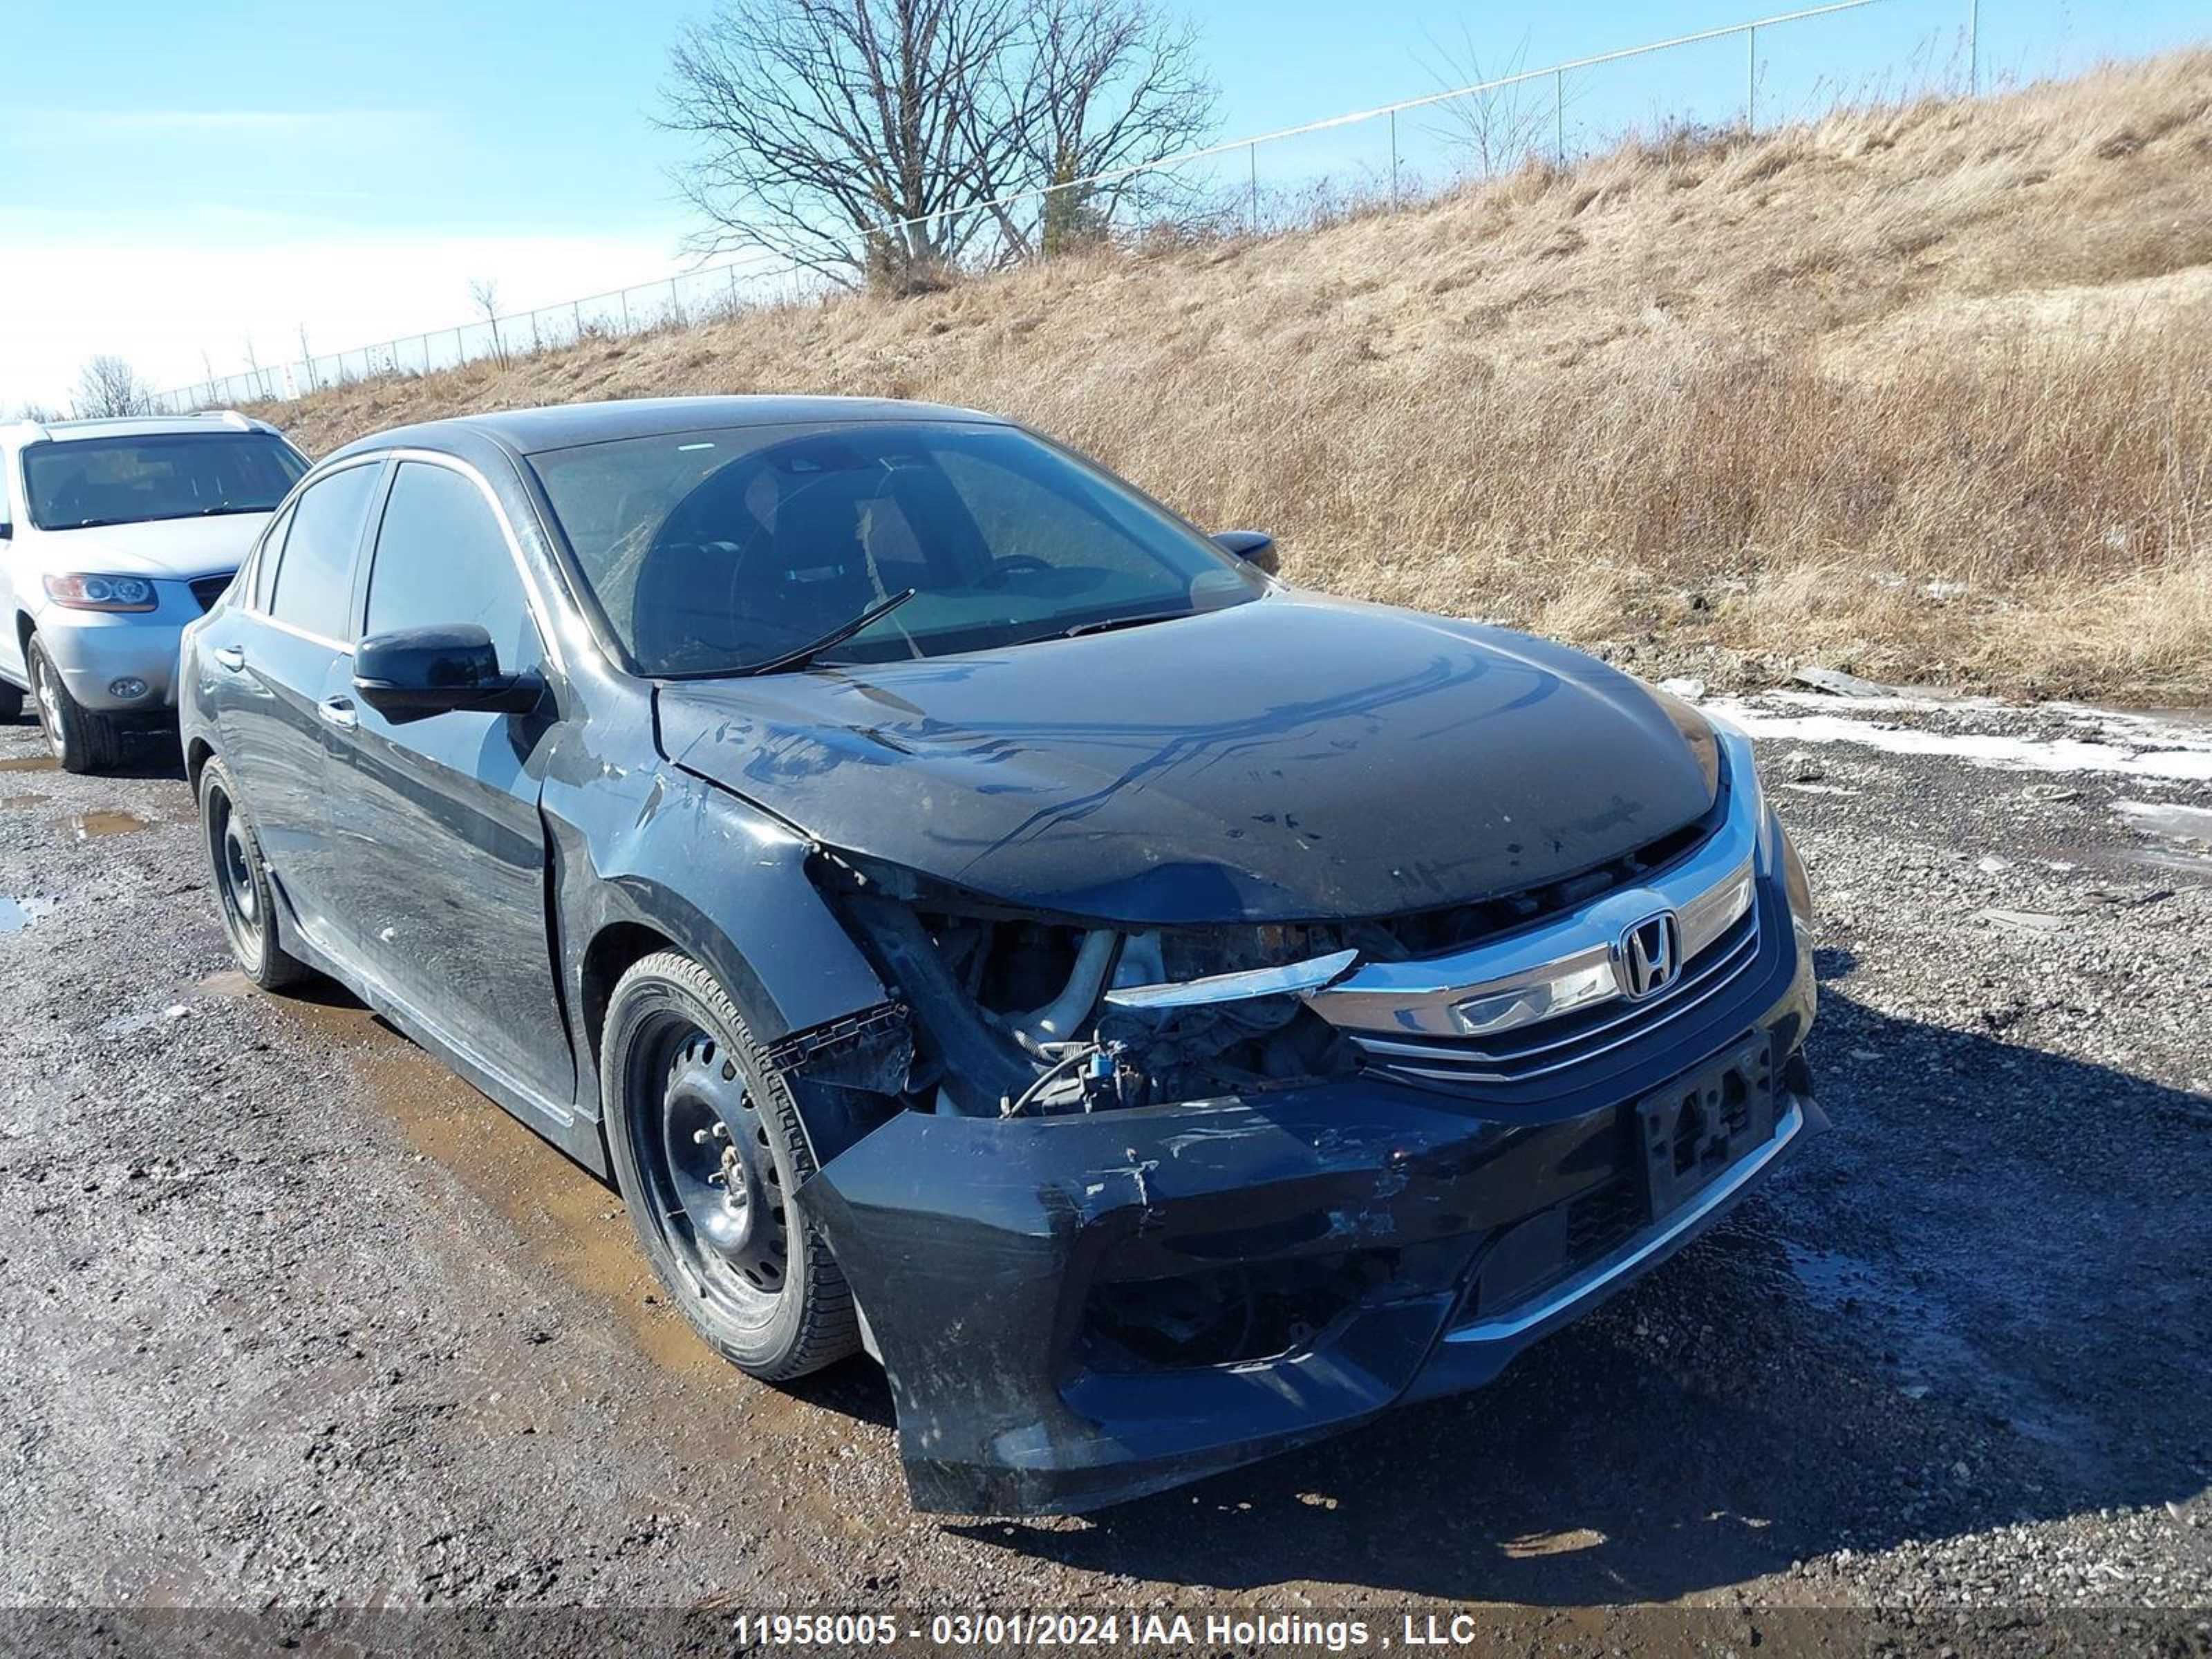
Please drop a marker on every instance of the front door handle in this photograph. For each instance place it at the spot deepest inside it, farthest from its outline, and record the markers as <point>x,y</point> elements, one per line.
<point>230,657</point>
<point>339,712</point>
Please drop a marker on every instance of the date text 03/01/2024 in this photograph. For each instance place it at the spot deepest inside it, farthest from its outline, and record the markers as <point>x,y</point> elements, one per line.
<point>1163,1631</point>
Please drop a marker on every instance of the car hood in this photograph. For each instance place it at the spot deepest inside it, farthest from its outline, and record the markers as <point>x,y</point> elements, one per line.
<point>1289,759</point>
<point>167,550</point>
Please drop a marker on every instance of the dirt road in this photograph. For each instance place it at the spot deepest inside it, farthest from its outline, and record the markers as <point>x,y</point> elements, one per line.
<point>294,1317</point>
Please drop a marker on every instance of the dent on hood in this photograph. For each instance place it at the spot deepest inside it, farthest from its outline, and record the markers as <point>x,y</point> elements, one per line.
<point>1290,759</point>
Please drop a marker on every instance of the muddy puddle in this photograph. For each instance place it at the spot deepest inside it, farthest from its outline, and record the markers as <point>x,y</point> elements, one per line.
<point>1534,1545</point>
<point>20,803</point>
<point>1934,1353</point>
<point>97,826</point>
<point>565,1224</point>
<point>569,1221</point>
<point>28,763</point>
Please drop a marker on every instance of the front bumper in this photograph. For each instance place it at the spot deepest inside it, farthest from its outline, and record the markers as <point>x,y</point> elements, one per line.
<point>1388,1242</point>
<point>93,649</point>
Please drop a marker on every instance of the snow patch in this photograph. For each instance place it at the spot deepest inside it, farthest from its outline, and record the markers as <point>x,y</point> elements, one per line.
<point>2182,753</point>
<point>2164,818</point>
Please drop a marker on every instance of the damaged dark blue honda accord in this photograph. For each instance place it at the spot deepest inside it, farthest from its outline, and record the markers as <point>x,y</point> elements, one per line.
<point>1163,1016</point>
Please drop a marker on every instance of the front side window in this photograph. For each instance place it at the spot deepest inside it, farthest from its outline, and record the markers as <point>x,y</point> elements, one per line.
<point>710,552</point>
<point>314,576</point>
<point>81,483</point>
<point>442,560</point>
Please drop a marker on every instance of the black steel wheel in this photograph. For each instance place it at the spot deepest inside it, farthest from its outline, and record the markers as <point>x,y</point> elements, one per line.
<point>707,1149</point>
<point>240,878</point>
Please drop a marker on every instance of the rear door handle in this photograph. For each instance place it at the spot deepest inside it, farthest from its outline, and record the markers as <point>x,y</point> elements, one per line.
<point>339,712</point>
<point>230,657</point>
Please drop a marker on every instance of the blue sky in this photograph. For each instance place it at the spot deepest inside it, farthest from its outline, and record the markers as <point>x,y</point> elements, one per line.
<point>186,183</point>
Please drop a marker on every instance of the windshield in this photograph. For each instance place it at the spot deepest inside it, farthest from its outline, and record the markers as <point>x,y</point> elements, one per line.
<point>712,552</point>
<point>86,482</point>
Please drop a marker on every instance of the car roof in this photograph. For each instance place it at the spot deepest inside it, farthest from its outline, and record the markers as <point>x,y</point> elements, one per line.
<point>565,426</point>
<point>130,425</point>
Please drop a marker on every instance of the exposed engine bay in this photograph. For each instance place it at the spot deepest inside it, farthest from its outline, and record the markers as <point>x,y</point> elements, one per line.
<point>1023,1015</point>
<point>1020,1016</point>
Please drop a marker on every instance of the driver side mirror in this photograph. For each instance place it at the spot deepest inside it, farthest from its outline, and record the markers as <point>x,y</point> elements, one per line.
<point>1256,547</point>
<point>412,673</point>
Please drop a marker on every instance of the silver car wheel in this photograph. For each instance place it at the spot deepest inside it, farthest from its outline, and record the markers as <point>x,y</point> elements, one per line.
<point>50,707</point>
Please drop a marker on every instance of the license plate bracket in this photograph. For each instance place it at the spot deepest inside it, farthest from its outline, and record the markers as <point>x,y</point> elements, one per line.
<point>1694,1128</point>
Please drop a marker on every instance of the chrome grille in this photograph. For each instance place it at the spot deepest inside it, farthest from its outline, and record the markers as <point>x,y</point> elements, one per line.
<point>1574,999</point>
<point>208,589</point>
<point>1555,1045</point>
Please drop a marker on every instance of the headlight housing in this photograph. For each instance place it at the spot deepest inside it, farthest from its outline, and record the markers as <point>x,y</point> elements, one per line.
<point>1774,844</point>
<point>96,593</point>
<point>1696,733</point>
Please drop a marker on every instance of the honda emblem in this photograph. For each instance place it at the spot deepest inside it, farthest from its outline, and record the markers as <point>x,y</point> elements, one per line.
<point>1648,958</point>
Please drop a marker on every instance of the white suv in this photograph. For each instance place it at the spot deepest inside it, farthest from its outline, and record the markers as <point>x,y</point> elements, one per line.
<point>114,535</point>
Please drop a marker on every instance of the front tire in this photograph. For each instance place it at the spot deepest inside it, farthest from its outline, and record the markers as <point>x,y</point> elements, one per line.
<point>83,741</point>
<point>243,891</point>
<point>11,701</point>
<point>707,1151</point>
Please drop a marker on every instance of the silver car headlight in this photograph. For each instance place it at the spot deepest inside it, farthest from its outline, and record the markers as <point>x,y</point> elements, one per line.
<point>89,592</point>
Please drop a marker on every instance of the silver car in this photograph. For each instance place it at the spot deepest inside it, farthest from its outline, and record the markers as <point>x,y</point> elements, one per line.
<point>114,535</point>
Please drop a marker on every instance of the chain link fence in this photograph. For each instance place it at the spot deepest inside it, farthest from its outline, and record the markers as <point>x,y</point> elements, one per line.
<point>1743,76</point>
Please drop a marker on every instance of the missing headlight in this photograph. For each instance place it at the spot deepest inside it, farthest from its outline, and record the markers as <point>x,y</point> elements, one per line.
<point>1010,1010</point>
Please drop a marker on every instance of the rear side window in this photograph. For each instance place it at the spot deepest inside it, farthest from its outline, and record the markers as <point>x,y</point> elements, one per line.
<point>442,560</point>
<point>315,579</point>
<point>265,566</point>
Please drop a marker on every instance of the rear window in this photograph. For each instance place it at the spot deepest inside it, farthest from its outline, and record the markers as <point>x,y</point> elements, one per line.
<point>84,482</point>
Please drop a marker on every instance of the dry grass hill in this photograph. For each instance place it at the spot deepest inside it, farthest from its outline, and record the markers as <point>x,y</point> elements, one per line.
<point>1923,391</point>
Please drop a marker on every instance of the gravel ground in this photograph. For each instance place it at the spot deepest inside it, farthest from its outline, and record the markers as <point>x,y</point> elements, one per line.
<point>298,1319</point>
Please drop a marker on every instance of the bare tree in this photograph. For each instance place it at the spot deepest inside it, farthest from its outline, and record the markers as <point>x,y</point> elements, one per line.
<point>880,140</point>
<point>109,386</point>
<point>485,292</point>
<point>1101,87</point>
<point>856,137</point>
<point>1496,130</point>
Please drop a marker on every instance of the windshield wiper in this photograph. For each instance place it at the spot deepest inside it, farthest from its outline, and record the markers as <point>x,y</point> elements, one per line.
<point>807,653</point>
<point>156,518</point>
<point>1112,623</point>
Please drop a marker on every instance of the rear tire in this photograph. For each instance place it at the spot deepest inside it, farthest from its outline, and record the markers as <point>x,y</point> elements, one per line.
<point>83,741</point>
<point>243,892</point>
<point>708,1149</point>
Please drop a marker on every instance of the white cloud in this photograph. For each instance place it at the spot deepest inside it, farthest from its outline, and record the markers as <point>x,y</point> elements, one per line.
<point>85,127</point>
<point>235,278</point>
